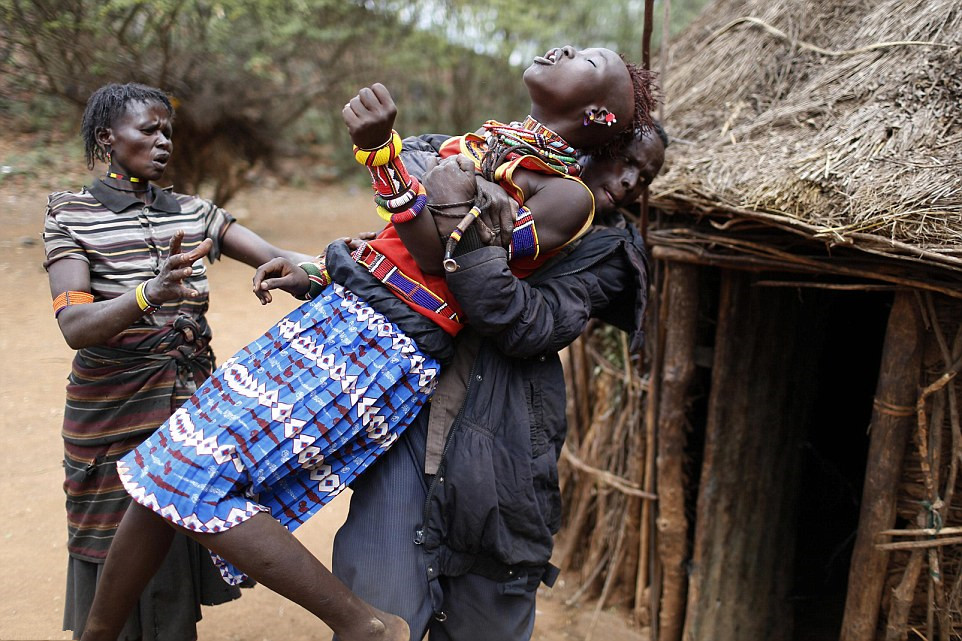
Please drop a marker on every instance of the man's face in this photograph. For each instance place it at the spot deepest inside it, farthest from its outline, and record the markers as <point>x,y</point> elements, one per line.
<point>620,180</point>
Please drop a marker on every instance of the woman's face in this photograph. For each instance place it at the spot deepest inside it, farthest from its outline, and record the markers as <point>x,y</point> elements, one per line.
<point>140,140</point>
<point>565,79</point>
<point>619,181</point>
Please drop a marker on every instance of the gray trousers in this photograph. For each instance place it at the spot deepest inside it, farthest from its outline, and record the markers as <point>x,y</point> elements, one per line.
<point>375,555</point>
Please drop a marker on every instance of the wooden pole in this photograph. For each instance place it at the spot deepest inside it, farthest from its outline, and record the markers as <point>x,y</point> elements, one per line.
<point>646,63</point>
<point>902,598</point>
<point>646,33</point>
<point>663,54</point>
<point>646,560</point>
<point>897,390</point>
<point>677,374</point>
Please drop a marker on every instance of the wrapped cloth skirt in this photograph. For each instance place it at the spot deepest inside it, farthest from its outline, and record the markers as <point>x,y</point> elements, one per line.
<point>285,424</point>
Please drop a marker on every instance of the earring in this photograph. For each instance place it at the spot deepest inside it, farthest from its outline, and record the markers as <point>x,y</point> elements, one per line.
<point>599,116</point>
<point>109,159</point>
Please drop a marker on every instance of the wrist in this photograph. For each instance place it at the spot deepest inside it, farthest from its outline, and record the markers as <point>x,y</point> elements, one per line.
<point>381,154</point>
<point>152,290</point>
<point>146,304</point>
<point>318,279</point>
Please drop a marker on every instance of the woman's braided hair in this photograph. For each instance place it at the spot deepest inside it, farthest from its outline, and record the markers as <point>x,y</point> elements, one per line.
<point>643,121</point>
<point>106,105</point>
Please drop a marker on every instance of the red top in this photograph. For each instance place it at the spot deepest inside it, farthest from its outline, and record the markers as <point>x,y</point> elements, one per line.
<point>428,294</point>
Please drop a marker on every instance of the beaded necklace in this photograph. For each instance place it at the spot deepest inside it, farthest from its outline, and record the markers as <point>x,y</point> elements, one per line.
<point>130,179</point>
<point>529,138</point>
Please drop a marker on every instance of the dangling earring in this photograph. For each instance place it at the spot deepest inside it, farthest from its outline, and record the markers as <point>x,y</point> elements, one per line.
<point>109,159</point>
<point>599,116</point>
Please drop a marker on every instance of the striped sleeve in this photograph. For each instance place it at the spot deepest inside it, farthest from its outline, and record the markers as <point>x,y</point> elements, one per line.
<point>216,222</point>
<point>58,241</point>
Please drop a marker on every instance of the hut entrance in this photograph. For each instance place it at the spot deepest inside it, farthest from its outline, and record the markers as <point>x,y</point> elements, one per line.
<point>834,448</point>
<point>792,385</point>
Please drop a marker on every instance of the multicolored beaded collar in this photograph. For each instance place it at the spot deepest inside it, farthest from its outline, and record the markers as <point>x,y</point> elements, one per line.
<point>531,138</point>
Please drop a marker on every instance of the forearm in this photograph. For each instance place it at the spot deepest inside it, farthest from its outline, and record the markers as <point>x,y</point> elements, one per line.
<point>420,237</point>
<point>242,244</point>
<point>523,321</point>
<point>543,314</point>
<point>85,323</point>
<point>400,199</point>
<point>95,323</point>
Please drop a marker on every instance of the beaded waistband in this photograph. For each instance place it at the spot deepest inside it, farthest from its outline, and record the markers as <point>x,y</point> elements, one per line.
<point>405,287</point>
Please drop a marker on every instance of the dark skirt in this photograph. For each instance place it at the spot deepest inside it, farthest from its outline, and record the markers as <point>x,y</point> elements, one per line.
<point>169,608</point>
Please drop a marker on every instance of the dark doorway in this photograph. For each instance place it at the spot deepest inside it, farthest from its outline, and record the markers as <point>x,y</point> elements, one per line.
<point>833,458</point>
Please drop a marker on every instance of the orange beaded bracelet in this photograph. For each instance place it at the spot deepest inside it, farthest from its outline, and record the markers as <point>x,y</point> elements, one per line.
<point>70,298</point>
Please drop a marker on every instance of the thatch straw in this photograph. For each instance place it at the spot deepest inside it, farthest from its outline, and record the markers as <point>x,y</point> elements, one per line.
<point>843,117</point>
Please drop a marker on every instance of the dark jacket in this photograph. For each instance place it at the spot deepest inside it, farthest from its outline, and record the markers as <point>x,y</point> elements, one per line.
<point>495,503</point>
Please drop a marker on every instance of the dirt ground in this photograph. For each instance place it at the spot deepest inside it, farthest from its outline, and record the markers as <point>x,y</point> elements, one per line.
<point>36,363</point>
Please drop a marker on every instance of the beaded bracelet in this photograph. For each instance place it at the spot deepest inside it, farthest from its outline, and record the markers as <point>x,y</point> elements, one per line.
<point>317,274</point>
<point>406,214</point>
<point>401,202</point>
<point>70,298</point>
<point>524,238</point>
<point>380,155</point>
<point>412,213</point>
<point>142,302</point>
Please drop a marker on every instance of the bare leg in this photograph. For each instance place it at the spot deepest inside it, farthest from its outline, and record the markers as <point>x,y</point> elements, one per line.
<point>139,547</point>
<point>267,552</point>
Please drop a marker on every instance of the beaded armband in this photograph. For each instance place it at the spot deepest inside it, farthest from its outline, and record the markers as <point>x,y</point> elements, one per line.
<point>524,238</point>
<point>142,302</point>
<point>395,191</point>
<point>381,154</point>
<point>70,298</point>
<point>317,274</point>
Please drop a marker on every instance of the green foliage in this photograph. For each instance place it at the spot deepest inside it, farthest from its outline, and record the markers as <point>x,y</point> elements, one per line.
<point>256,79</point>
<point>518,31</point>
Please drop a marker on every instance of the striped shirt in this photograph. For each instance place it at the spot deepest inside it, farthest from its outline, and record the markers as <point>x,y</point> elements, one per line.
<point>120,392</point>
<point>124,242</point>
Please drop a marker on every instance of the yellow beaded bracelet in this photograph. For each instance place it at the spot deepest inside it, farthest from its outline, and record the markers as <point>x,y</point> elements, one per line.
<point>142,302</point>
<point>380,155</point>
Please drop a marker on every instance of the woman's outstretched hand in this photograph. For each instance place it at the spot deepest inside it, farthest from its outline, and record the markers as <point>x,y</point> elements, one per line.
<point>369,116</point>
<point>168,284</point>
<point>283,274</point>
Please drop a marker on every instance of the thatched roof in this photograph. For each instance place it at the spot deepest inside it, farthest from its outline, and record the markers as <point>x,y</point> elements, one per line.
<point>841,119</point>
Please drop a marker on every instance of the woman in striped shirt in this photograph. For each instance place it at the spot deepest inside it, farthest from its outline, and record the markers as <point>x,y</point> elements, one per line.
<point>124,259</point>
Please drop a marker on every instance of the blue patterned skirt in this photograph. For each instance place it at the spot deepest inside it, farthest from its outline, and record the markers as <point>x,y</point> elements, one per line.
<point>286,423</point>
